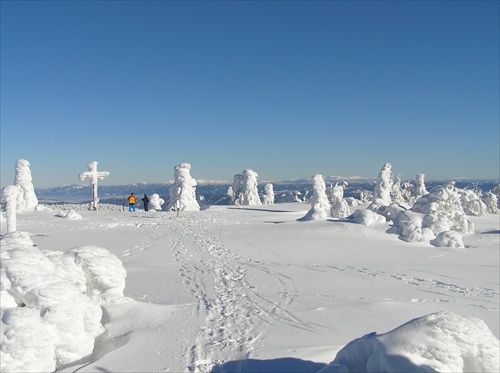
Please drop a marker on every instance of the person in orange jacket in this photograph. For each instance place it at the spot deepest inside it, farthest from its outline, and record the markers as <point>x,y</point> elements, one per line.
<point>131,202</point>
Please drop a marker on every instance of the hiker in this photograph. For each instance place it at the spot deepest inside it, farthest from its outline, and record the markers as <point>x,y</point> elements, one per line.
<point>131,202</point>
<point>145,200</point>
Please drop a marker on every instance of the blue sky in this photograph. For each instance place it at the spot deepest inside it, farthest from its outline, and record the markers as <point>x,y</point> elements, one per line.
<point>288,89</point>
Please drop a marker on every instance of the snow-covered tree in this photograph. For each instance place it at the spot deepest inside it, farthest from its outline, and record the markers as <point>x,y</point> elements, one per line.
<point>155,202</point>
<point>10,197</point>
<point>471,203</point>
<point>183,191</point>
<point>320,206</point>
<point>93,175</point>
<point>383,186</point>
<point>268,198</point>
<point>496,191</point>
<point>339,206</point>
<point>491,201</point>
<point>249,194</point>
<point>27,198</point>
<point>443,210</point>
<point>397,191</point>
<point>420,187</point>
<point>235,189</point>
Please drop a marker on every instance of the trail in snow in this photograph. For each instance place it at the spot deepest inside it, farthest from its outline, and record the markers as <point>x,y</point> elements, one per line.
<point>235,312</point>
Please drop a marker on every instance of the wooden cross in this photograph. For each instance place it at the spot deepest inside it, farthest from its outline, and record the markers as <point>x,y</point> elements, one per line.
<point>93,175</point>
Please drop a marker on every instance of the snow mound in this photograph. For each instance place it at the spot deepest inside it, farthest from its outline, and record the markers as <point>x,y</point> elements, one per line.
<point>439,342</point>
<point>366,217</point>
<point>71,215</point>
<point>51,311</point>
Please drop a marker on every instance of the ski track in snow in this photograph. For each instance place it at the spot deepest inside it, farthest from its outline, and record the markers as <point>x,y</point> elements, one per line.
<point>235,312</point>
<point>434,286</point>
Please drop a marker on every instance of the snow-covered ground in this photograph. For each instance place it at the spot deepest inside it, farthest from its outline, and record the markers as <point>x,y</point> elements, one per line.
<point>248,289</point>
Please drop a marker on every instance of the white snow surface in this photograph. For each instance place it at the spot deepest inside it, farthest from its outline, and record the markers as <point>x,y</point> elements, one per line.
<point>245,289</point>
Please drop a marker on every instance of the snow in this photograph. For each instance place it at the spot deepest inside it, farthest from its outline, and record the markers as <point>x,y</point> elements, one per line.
<point>248,289</point>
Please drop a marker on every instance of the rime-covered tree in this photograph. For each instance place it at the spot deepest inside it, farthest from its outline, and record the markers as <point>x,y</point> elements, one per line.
<point>93,175</point>
<point>420,187</point>
<point>235,189</point>
<point>320,206</point>
<point>27,198</point>
<point>443,210</point>
<point>397,190</point>
<point>268,198</point>
<point>249,194</point>
<point>10,197</point>
<point>339,207</point>
<point>383,186</point>
<point>491,201</point>
<point>183,191</point>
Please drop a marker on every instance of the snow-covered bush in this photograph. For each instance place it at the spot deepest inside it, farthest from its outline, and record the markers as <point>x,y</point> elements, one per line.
<point>438,342</point>
<point>289,196</point>
<point>155,202</point>
<point>448,239</point>
<point>183,191</point>
<point>339,206</point>
<point>444,205</point>
<point>409,227</point>
<point>320,206</point>
<point>27,198</point>
<point>268,197</point>
<point>383,186</point>
<point>51,302</point>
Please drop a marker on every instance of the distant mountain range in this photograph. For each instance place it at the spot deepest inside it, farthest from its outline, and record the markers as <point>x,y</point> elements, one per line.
<point>214,192</point>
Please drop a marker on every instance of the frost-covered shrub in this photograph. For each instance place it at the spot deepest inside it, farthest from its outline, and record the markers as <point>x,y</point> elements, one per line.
<point>471,203</point>
<point>155,202</point>
<point>183,191</point>
<point>27,198</point>
<point>438,342</point>
<point>444,204</point>
<point>268,197</point>
<point>409,227</point>
<point>339,206</point>
<point>289,196</point>
<point>448,239</point>
<point>320,206</point>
